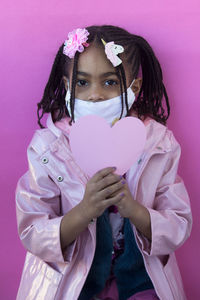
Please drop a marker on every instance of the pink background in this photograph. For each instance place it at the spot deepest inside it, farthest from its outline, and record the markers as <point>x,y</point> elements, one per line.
<point>31,32</point>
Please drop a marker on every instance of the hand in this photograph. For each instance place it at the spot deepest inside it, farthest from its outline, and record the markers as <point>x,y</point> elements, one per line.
<point>99,192</point>
<point>127,204</point>
<point>136,212</point>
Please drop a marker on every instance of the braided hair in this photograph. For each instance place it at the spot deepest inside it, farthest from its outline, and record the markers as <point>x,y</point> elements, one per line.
<point>152,99</point>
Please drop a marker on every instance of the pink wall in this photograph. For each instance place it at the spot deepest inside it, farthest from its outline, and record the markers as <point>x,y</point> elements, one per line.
<point>31,32</point>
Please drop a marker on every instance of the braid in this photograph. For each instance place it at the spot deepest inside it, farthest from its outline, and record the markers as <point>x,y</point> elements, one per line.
<point>118,72</point>
<point>149,100</point>
<point>53,99</point>
<point>167,101</point>
<point>125,87</point>
<point>74,78</point>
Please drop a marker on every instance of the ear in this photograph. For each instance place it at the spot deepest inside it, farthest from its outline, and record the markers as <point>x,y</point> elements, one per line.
<point>65,82</point>
<point>137,85</point>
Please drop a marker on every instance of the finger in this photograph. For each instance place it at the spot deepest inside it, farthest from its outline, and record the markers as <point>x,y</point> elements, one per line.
<point>122,190</point>
<point>102,173</point>
<point>108,180</point>
<point>113,200</point>
<point>108,191</point>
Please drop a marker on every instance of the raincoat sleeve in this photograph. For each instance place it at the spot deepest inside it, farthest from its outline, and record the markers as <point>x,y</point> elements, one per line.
<point>171,218</point>
<point>38,211</point>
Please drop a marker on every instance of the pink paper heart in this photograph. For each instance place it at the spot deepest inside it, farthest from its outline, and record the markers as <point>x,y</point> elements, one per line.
<point>95,145</point>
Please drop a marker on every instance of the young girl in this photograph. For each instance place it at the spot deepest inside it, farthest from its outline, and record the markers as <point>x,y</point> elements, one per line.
<point>108,236</point>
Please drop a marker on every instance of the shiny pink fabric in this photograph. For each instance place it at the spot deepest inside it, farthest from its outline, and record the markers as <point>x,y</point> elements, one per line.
<point>54,184</point>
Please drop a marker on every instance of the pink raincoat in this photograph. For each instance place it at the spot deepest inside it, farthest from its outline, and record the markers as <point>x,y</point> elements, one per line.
<point>54,184</point>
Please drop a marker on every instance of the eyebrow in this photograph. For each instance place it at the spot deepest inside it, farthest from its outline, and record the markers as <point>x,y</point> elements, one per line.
<point>101,75</point>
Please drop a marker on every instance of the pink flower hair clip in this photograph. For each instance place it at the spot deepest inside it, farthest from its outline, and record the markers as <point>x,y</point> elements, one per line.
<point>76,42</point>
<point>112,50</point>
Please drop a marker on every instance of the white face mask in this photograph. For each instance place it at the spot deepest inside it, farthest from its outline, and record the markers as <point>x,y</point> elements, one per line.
<point>108,109</point>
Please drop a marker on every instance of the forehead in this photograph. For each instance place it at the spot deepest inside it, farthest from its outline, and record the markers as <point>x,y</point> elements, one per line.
<point>94,61</point>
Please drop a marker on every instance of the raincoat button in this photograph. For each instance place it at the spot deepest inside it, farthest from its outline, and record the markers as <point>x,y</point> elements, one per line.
<point>60,178</point>
<point>45,160</point>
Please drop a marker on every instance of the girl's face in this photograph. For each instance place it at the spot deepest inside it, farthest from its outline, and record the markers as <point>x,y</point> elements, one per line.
<point>96,77</point>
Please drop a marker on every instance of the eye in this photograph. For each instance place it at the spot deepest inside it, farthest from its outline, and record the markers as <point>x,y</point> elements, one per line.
<point>82,82</point>
<point>111,82</point>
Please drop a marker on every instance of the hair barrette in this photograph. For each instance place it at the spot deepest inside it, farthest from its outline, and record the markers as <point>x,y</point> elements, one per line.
<point>76,42</point>
<point>112,50</point>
